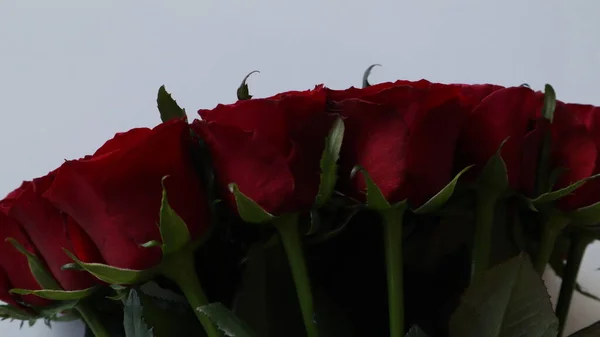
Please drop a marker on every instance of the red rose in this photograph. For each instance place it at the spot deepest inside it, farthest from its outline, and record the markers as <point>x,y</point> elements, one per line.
<point>506,113</point>
<point>271,147</point>
<point>115,194</point>
<point>14,267</point>
<point>575,145</point>
<point>404,136</point>
<point>50,232</point>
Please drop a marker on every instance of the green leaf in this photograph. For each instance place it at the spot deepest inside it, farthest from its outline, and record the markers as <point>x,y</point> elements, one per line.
<point>114,275</point>
<point>510,300</point>
<point>133,320</point>
<point>549,103</point>
<point>375,199</point>
<point>494,176</point>
<point>415,331</point>
<point>248,209</point>
<point>71,266</point>
<point>243,92</point>
<point>329,158</point>
<point>440,199</point>
<point>43,277</point>
<point>58,295</point>
<point>525,85</point>
<point>591,331</point>
<point>586,216</point>
<point>173,230</point>
<point>167,106</point>
<point>365,80</point>
<point>555,195</point>
<point>226,320</point>
<point>8,311</point>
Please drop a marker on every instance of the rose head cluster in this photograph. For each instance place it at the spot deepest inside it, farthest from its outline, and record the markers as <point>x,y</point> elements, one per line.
<point>411,139</point>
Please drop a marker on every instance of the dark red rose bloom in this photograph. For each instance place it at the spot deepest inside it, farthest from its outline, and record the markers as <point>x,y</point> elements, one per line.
<point>115,194</point>
<point>14,267</point>
<point>271,147</point>
<point>575,145</point>
<point>403,135</point>
<point>506,113</point>
<point>47,228</point>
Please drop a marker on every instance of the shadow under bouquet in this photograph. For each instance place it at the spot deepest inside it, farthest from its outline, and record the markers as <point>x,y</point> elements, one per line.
<point>406,208</point>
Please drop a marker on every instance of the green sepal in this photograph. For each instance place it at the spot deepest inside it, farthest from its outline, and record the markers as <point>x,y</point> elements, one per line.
<point>71,266</point>
<point>151,244</point>
<point>167,106</point>
<point>329,158</point>
<point>549,103</point>
<point>494,176</point>
<point>243,92</point>
<point>226,320</point>
<point>586,216</point>
<point>440,199</point>
<point>173,230</point>
<point>365,79</point>
<point>58,295</point>
<point>375,199</point>
<point>249,210</point>
<point>43,277</point>
<point>555,195</point>
<point>114,275</point>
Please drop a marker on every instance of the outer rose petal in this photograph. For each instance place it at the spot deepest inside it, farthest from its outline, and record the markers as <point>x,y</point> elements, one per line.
<point>244,158</point>
<point>273,118</point>
<point>116,196</point>
<point>5,287</point>
<point>46,228</point>
<point>14,263</point>
<point>362,93</point>
<point>376,138</point>
<point>431,149</point>
<point>504,113</point>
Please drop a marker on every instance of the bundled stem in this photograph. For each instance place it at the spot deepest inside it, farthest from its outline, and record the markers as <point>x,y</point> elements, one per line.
<point>90,317</point>
<point>484,220</point>
<point>392,225</point>
<point>550,232</point>
<point>287,227</point>
<point>180,269</point>
<point>579,243</point>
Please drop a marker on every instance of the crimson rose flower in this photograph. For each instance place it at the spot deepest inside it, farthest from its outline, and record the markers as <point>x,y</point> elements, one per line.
<point>404,135</point>
<point>271,147</point>
<point>574,150</point>
<point>14,267</point>
<point>52,231</point>
<point>115,194</point>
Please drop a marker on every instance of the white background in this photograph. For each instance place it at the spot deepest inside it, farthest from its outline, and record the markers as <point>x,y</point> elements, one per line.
<point>72,73</point>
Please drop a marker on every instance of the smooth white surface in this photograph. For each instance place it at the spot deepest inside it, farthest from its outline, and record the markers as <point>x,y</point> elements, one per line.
<point>72,73</point>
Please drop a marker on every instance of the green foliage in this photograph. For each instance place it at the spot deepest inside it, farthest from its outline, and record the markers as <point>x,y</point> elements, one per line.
<point>510,300</point>
<point>167,106</point>
<point>133,319</point>
<point>243,92</point>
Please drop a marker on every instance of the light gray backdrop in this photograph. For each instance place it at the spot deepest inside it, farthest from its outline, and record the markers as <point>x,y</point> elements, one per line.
<point>72,72</point>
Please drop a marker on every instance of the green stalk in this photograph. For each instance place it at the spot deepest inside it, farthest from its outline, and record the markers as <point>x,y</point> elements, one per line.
<point>287,226</point>
<point>180,268</point>
<point>550,232</point>
<point>579,243</point>
<point>392,238</point>
<point>484,220</point>
<point>90,317</point>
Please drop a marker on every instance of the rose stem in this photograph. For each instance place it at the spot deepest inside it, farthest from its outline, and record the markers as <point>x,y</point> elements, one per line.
<point>484,219</point>
<point>179,267</point>
<point>89,316</point>
<point>392,237</point>
<point>579,243</point>
<point>287,226</point>
<point>550,232</point>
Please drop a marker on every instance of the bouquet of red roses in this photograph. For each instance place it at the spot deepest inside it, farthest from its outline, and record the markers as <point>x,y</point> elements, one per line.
<point>397,209</point>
